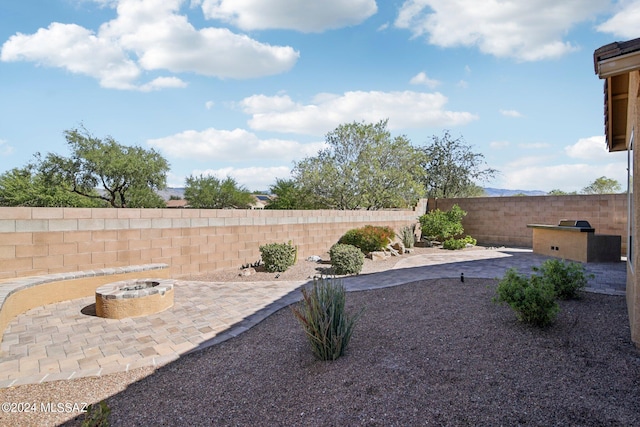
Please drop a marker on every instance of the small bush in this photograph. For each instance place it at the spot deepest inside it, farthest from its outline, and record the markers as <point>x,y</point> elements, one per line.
<point>408,235</point>
<point>97,415</point>
<point>346,259</point>
<point>368,238</point>
<point>567,278</point>
<point>277,257</point>
<point>453,244</point>
<point>440,226</point>
<point>533,299</point>
<point>322,316</point>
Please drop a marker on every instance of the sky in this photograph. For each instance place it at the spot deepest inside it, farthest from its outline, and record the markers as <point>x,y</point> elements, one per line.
<point>245,88</point>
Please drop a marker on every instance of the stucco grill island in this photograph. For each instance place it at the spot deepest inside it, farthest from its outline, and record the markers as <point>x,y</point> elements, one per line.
<point>575,240</point>
<point>132,298</point>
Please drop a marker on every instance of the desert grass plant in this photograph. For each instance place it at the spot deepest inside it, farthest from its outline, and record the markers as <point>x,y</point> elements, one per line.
<point>277,257</point>
<point>532,298</point>
<point>322,315</point>
<point>567,278</point>
<point>346,259</point>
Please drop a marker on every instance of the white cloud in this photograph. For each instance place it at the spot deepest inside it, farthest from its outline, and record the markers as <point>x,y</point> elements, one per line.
<point>253,178</point>
<point>162,83</point>
<point>232,145</point>
<point>624,23</point>
<point>511,113</point>
<point>209,105</point>
<point>76,49</point>
<point>301,15</point>
<point>544,173</point>
<point>5,148</point>
<point>566,177</point>
<point>524,30</point>
<point>422,79</point>
<point>498,145</point>
<point>403,109</point>
<point>593,148</point>
<point>148,35</point>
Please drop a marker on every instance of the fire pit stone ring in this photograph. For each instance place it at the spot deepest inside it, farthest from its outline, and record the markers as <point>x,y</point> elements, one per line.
<point>132,298</point>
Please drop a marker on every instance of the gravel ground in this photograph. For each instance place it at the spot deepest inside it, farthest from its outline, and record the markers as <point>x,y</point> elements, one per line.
<point>428,353</point>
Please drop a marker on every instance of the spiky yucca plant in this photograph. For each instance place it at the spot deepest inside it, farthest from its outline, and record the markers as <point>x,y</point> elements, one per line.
<point>322,316</point>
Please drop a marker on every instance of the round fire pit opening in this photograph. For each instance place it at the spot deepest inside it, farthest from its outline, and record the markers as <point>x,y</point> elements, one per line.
<point>132,298</point>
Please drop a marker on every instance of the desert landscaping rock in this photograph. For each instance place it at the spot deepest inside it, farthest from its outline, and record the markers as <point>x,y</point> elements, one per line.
<point>432,352</point>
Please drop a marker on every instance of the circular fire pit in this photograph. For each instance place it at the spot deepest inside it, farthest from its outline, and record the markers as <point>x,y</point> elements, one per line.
<point>131,298</point>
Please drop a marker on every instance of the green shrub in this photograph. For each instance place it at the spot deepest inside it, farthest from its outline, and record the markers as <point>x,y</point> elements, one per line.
<point>97,415</point>
<point>567,278</point>
<point>533,299</point>
<point>322,316</point>
<point>408,235</point>
<point>277,257</point>
<point>368,238</point>
<point>440,226</point>
<point>346,259</point>
<point>453,244</point>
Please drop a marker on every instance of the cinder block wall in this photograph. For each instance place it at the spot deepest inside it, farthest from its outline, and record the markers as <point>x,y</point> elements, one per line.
<point>503,220</point>
<point>36,241</point>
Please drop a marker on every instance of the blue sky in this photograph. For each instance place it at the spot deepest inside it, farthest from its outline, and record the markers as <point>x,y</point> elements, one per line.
<point>244,88</point>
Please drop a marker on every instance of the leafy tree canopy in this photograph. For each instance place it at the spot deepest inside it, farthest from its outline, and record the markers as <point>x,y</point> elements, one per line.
<point>558,192</point>
<point>363,167</point>
<point>289,195</point>
<point>126,176</point>
<point>451,168</point>
<point>209,192</point>
<point>603,185</point>
<point>25,187</point>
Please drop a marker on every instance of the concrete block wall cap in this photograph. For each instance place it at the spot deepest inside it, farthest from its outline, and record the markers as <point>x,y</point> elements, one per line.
<point>9,287</point>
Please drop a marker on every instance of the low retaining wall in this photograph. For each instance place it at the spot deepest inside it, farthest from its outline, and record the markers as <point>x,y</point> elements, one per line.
<point>23,294</point>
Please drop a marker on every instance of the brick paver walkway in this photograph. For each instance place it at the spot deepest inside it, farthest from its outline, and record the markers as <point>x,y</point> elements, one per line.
<point>66,340</point>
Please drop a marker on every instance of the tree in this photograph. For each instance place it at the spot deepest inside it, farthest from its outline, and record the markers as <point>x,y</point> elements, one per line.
<point>209,192</point>
<point>120,171</point>
<point>603,185</point>
<point>144,198</point>
<point>25,187</point>
<point>451,169</point>
<point>363,167</point>
<point>289,195</point>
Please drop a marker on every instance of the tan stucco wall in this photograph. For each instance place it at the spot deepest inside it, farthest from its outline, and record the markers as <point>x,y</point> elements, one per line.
<point>570,245</point>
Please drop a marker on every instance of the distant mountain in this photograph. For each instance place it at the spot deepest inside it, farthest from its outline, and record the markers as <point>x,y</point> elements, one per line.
<point>502,192</point>
<point>171,191</point>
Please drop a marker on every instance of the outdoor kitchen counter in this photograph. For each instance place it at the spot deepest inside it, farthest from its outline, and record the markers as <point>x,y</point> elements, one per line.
<point>576,241</point>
